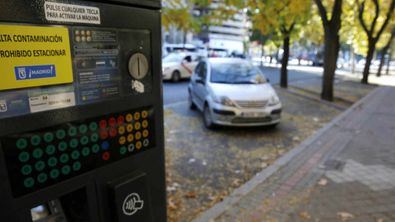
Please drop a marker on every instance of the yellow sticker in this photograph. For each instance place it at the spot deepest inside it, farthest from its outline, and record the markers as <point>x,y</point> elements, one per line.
<point>32,56</point>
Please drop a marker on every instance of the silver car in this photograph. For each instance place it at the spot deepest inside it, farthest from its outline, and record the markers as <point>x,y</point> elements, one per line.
<point>233,92</point>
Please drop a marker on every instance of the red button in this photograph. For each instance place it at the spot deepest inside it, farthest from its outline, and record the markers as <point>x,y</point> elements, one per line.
<point>106,156</point>
<point>103,134</point>
<point>103,124</point>
<point>121,120</point>
<point>113,132</point>
<point>112,121</point>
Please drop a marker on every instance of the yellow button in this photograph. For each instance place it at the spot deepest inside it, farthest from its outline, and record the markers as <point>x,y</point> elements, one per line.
<point>145,124</point>
<point>122,140</point>
<point>138,135</point>
<point>144,114</point>
<point>130,138</point>
<point>137,126</point>
<point>139,145</point>
<point>145,133</point>
<point>121,130</point>
<point>129,117</point>
<point>137,115</point>
<point>129,128</point>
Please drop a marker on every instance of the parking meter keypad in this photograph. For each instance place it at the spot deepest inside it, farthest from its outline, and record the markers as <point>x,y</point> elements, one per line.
<point>36,160</point>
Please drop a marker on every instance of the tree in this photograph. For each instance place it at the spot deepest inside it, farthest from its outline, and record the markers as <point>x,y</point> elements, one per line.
<point>385,50</point>
<point>283,18</point>
<point>332,44</point>
<point>372,31</point>
<point>177,13</point>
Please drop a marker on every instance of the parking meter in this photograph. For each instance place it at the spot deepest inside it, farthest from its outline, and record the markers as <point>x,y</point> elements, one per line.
<point>81,113</point>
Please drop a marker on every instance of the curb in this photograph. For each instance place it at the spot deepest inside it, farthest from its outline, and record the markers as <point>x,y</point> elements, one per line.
<point>237,194</point>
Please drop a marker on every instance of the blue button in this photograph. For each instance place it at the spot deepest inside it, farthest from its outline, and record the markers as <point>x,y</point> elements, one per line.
<point>105,145</point>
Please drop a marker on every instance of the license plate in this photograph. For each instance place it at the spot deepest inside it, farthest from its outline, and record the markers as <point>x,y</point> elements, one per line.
<point>254,114</point>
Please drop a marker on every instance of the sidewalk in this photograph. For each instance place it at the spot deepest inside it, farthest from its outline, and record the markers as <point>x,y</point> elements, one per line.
<point>345,172</point>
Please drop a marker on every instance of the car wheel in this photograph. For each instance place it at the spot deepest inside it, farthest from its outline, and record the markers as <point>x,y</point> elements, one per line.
<point>176,76</point>
<point>207,118</point>
<point>191,104</point>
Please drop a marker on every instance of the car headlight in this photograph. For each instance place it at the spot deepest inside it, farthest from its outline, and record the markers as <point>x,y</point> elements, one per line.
<point>223,100</point>
<point>274,100</point>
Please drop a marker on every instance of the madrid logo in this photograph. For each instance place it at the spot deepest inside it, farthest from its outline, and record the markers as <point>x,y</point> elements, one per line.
<point>22,73</point>
<point>132,204</point>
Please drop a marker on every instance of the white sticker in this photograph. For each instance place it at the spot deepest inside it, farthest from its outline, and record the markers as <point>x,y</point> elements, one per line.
<point>60,12</point>
<point>3,106</point>
<point>138,86</point>
<point>50,102</point>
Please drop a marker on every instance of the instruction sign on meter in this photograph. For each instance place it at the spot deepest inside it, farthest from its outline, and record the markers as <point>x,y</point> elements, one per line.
<point>33,56</point>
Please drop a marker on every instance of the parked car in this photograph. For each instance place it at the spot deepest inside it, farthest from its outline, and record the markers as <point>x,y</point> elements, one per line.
<point>233,92</point>
<point>177,66</point>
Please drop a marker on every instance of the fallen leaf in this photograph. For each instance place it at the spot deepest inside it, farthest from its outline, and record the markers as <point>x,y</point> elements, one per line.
<point>236,182</point>
<point>171,205</point>
<point>305,216</point>
<point>323,182</point>
<point>344,216</point>
<point>191,194</point>
<point>264,165</point>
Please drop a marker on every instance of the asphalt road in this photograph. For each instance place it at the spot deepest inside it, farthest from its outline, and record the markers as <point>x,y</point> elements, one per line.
<point>178,92</point>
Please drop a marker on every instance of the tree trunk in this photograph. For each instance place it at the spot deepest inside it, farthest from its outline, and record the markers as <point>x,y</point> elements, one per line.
<point>382,60</point>
<point>185,38</point>
<point>389,63</point>
<point>284,62</point>
<point>369,57</point>
<point>352,60</point>
<point>332,46</point>
<point>384,51</point>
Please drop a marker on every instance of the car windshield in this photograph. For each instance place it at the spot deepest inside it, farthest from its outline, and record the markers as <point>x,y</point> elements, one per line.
<point>236,73</point>
<point>173,58</point>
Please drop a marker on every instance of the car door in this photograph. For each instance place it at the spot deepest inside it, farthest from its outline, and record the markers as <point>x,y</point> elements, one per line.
<point>193,84</point>
<point>200,90</point>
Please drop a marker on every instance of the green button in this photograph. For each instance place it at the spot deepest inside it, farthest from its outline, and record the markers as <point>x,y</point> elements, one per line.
<point>73,143</point>
<point>26,170</point>
<point>94,137</point>
<point>83,129</point>
<point>95,148</point>
<point>86,151</point>
<point>35,140</point>
<point>64,158</point>
<point>52,161</point>
<point>123,150</point>
<point>93,126</point>
<point>60,134</point>
<point>21,143</point>
<point>72,131</point>
<point>38,153</point>
<point>75,155</point>
<point>28,182</point>
<point>24,157</point>
<point>48,137</point>
<point>66,170</point>
<point>84,140</point>
<point>40,165</point>
<point>51,149</point>
<point>54,173</point>
<point>76,166</point>
<point>62,146</point>
<point>42,177</point>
